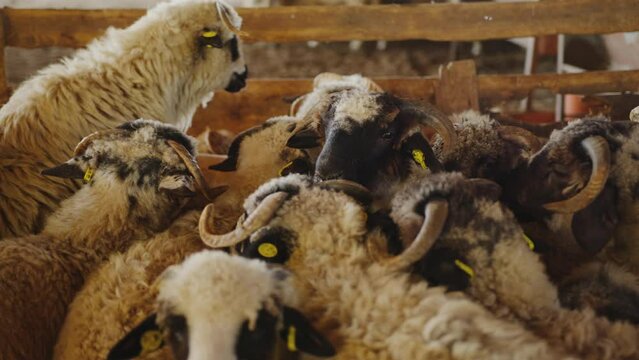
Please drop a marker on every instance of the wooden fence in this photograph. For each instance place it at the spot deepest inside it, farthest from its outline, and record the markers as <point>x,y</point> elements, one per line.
<point>458,86</point>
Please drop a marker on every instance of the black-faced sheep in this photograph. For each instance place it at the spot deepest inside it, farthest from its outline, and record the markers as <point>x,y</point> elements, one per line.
<point>162,67</point>
<point>486,149</point>
<point>139,177</point>
<point>586,178</point>
<point>369,309</point>
<point>374,139</point>
<point>217,306</point>
<point>483,239</point>
<point>119,294</point>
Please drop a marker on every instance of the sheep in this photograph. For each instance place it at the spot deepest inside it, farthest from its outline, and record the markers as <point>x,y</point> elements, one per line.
<point>369,309</point>
<point>139,177</point>
<point>119,293</point>
<point>162,67</point>
<point>484,240</point>
<point>374,139</point>
<point>585,179</point>
<point>214,305</point>
<point>608,289</point>
<point>486,149</point>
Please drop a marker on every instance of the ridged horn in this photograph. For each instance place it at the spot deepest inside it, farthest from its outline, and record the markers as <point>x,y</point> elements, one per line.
<point>351,188</point>
<point>87,140</point>
<point>429,115</point>
<point>258,218</point>
<point>192,166</point>
<point>297,103</point>
<point>435,215</point>
<point>599,152</point>
<point>223,12</point>
<point>520,136</point>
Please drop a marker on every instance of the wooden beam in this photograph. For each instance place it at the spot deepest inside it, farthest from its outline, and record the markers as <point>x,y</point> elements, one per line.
<point>441,22</point>
<point>457,88</point>
<point>264,98</point>
<point>4,87</point>
<point>500,87</point>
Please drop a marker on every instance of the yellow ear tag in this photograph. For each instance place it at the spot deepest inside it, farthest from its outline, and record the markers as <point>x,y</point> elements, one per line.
<point>465,268</point>
<point>150,341</point>
<point>284,168</point>
<point>419,158</point>
<point>209,34</point>
<point>290,340</point>
<point>530,243</point>
<point>267,250</point>
<point>88,175</point>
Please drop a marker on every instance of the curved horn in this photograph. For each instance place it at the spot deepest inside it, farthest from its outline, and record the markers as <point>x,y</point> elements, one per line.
<point>223,12</point>
<point>192,166</point>
<point>521,137</point>
<point>430,115</point>
<point>297,103</point>
<point>351,188</point>
<point>599,152</point>
<point>435,215</point>
<point>260,217</point>
<point>87,140</point>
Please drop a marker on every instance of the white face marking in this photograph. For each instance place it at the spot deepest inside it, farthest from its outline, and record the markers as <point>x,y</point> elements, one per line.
<point>355,106</point>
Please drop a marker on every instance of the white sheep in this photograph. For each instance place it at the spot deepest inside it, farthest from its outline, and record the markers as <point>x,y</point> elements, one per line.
<point>484,240</point>
<point>162,67</point>
<point>369,309</point>
<point>119,294</point>
<point>139,178</point>
<point>214,305</point>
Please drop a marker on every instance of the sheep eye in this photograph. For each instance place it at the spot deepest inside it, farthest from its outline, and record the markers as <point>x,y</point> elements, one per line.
<point>387,135</point>
<point>210,39</point>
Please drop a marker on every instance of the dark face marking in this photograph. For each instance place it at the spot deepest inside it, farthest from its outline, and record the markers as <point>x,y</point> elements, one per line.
<point>234,48</point>
<point>148,170</point>
<point>593,226</point>
<point>238,81</point>
<point>178,336</point>
<point>256,344</point>
<point>385,223</point>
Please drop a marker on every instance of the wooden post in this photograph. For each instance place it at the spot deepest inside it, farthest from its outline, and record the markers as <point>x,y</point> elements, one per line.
<point>4,87</point>
<point>457,88</point>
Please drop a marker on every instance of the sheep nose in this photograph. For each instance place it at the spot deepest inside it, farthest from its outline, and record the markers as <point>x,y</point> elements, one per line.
<point>238,81</point>
<point>319,177</point>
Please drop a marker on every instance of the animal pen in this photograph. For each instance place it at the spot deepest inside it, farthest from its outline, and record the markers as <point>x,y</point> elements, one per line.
<point>458,87</point>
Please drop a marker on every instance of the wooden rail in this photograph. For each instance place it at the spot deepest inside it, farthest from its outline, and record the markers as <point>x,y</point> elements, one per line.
<point>441,22</point>
<point>268,97</point>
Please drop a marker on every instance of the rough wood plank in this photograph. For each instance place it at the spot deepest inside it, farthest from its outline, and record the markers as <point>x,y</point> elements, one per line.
<point>264,98</point>
<point>4,87</point>
<point>499,87</point>
<point>457,88</point>
<point>442,22</point>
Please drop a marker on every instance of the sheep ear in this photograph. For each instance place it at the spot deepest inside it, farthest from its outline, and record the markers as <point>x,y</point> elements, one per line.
<point>143,339</point>
<point>67,170</point>
<point>178,185</point>
<point>418,149</point>
<point>306,138</point>
<point>593,226</point>
<point>230,164</point>
<point>299,335</point>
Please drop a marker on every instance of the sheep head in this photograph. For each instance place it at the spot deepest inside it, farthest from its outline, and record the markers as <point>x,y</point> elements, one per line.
<point>225,307</point>
<point>190,46</point>
<point>364,134</point>
<point>149,164</point>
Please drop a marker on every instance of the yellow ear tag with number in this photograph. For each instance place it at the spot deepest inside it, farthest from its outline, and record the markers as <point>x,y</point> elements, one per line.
<point>88,175</point>
<point>290,339</point>
<point>284,168</point>
<point>267,250</point>
<point>150,341</point>
<point>530,243</point>
<point>209,34</point>
<point>465,268</point>
<point>419,158</point>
